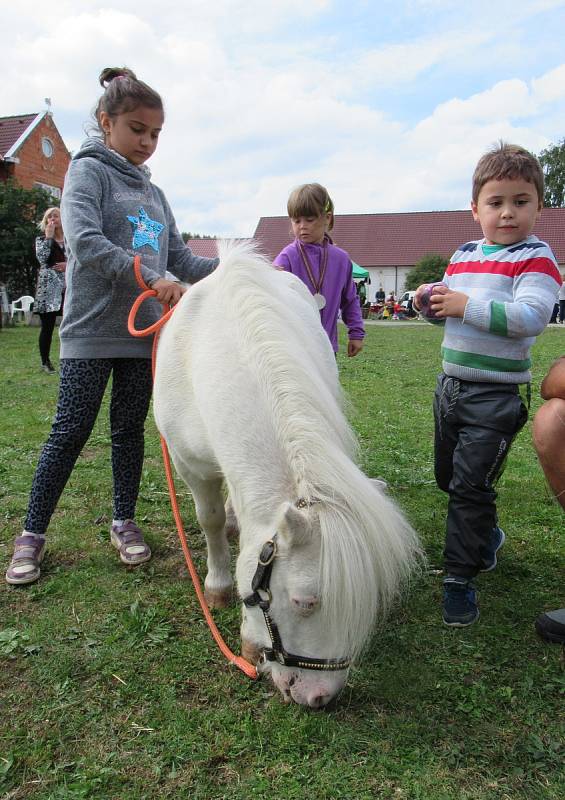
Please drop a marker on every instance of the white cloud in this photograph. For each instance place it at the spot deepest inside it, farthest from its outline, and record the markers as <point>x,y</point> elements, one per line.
<point>262,96</point>
<point>551,86</point>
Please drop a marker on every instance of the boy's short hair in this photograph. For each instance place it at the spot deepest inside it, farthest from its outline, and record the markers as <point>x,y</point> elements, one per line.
<point>507,162</point>
<point>310,200</point>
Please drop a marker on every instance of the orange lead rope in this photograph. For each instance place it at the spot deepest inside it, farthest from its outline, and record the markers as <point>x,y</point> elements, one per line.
<point>249,669</point>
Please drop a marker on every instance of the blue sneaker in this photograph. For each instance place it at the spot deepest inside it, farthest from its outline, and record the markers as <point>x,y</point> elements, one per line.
<point>459,602</point>
<point>498,539</point>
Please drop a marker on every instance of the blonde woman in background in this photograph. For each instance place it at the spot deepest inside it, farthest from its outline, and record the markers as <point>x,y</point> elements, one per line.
<point>50,290</point>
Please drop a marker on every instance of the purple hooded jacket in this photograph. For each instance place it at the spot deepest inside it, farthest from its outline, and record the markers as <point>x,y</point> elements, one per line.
<point>338,287</point>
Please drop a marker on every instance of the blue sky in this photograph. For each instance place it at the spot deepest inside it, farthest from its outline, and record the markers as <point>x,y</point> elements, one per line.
<point>388,104</point>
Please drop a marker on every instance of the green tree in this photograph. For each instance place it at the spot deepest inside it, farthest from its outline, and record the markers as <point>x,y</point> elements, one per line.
<point>21,211</point>
<point>186,235</point>
<point>429,269</point>
<point>552,160</point>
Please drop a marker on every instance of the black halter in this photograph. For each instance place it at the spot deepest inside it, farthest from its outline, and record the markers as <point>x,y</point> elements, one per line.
<point>260,583</point>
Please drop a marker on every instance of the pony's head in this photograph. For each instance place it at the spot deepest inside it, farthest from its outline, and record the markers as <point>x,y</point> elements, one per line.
<point>284,625</point>
<point>317,590</point>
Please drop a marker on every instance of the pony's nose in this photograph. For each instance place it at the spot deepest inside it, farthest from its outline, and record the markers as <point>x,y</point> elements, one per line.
<point>318,699</point>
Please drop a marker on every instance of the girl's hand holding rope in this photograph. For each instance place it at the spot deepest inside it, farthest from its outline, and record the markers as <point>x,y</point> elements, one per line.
<point>168,292</point>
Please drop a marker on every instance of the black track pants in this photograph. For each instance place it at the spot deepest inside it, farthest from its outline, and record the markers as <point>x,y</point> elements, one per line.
<point>475,424</point>
<point>82,387</point>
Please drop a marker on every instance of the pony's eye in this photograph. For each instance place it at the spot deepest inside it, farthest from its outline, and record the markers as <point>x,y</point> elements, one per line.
<point>305,604</point>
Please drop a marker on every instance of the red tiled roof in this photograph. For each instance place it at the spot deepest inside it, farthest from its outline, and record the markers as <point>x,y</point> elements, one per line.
<point>11,128</point>
<point>206,247</point>
<point>401,239</point>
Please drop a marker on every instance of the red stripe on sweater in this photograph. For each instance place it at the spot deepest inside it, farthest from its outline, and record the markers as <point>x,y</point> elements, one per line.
<point>511,269</point>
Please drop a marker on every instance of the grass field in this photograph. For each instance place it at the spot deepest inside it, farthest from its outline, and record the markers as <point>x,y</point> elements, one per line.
<point>112,688</point>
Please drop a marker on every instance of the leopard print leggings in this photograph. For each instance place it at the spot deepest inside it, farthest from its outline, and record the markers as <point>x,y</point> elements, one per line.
<point>82,387</point>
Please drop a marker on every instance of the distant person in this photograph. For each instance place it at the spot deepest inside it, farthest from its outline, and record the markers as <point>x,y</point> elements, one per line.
<point>498,296</point>
<point>50,290</point>
<point>561,298</point>
<point>380,295</point>
<point>549,441</point>
<point>326,270</point>
<point>362,292</point>
<point>110,211</point>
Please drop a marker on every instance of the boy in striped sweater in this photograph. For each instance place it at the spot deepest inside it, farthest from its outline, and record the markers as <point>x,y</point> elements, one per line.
<point>497,295</point>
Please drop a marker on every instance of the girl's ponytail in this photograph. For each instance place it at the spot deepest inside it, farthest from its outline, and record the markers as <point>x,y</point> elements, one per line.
<point>123,92</point>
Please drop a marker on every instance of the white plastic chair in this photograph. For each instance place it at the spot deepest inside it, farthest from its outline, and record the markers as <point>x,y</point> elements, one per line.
<point>22,305</point>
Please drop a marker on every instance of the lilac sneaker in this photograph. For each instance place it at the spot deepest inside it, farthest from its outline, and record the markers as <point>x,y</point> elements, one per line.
<point>29,550</point>
<point>128,540</point>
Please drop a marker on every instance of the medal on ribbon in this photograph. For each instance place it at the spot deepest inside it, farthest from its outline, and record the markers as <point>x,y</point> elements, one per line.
<point>319,298</point>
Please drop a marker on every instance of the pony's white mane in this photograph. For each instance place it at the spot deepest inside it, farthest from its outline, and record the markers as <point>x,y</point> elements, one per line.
<point>368,548</point>
<point>282,339</point>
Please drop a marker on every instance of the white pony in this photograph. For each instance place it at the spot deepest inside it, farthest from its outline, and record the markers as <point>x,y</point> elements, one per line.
<point>247,392</point>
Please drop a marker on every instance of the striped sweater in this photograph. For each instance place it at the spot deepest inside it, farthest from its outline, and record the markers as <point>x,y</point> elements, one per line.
<point>511,296</point>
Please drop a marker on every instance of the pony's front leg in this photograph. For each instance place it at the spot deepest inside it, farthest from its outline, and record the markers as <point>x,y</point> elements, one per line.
<point>232,525</point>
<point>209,502</point>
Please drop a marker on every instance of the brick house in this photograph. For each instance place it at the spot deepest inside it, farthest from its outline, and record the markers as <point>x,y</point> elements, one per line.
<point>32,152</point>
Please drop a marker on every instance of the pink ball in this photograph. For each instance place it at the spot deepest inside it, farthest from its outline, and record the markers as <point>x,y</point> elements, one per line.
<point>425,308</point>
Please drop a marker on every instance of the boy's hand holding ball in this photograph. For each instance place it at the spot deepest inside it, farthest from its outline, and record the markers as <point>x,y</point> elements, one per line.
<point>422,299</point>
<point>445,302</point>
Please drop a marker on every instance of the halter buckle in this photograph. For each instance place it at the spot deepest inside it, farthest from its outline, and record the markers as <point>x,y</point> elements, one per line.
<point>268,553</point>
<point>264,604</point>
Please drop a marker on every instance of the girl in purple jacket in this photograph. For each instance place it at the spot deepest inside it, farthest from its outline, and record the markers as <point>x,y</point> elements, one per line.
<point>324,268</point>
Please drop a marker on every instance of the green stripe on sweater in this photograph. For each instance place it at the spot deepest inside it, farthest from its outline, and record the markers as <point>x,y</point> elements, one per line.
<point>498,323</point>
<point>487,363</point>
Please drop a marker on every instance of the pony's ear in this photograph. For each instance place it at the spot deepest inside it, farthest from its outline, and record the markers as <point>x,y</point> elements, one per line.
<point>293,526</point>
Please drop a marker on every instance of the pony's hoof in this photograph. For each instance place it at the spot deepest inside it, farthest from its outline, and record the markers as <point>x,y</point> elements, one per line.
<point>250,651</point>
<point>217,598</point>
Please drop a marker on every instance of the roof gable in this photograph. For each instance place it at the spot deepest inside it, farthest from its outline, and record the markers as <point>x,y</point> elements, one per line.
<point>401,239</point>
<point>207,248</point>
<point>15,130</point>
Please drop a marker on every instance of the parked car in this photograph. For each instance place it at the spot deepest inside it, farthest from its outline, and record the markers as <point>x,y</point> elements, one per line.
<point>403,301</point>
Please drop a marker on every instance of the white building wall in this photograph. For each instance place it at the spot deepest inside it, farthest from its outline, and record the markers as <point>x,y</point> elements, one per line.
<point>392,279</point>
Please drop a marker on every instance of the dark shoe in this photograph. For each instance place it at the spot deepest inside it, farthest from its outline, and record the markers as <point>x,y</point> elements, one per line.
<point>498,539</point>
<point>551,626</point>
<point>459,602</point>
<point>128,539</point>
<point>48,368</point>
<point>29,550</point>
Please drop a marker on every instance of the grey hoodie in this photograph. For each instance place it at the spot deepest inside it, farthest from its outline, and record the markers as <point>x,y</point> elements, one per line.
<point>111,212</point>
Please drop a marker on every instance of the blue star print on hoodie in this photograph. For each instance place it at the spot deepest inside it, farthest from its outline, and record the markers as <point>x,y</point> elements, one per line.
<point>145,231</point>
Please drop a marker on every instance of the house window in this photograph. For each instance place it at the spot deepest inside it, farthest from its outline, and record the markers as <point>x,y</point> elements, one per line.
<point>54,191</point>
<point>47,147</point>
